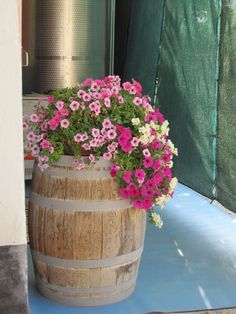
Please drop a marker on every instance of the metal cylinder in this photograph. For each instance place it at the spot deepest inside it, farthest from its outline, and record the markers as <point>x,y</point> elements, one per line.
<point>74,40</point>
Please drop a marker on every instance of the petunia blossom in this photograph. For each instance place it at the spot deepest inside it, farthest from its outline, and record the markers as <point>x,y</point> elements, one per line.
<point>148,162</point>
<point>127,176</point>
<point>74,105</point>
<point>64,123</point>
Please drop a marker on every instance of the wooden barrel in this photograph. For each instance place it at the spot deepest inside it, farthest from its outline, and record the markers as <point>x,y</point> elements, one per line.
<point>85,241</point>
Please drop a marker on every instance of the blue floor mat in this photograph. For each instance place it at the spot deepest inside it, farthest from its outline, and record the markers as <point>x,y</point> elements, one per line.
<point>189,264</point>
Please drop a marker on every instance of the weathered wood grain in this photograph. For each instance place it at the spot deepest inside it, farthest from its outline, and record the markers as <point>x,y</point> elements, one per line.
<point>93,237</point>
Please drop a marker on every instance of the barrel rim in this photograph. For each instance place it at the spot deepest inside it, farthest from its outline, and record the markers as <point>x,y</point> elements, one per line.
<point>67,161</point>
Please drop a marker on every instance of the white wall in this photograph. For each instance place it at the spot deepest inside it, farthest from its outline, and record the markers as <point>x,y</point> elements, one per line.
<point>12,213</point>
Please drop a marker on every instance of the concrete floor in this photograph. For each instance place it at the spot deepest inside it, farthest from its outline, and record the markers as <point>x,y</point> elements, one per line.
<point>189,264</point>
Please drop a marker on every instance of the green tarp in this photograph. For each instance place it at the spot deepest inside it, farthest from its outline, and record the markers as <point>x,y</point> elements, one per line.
<point>187,90</point>
<point>226,143</point>
<point>190,46</point>
<point>143,42</point>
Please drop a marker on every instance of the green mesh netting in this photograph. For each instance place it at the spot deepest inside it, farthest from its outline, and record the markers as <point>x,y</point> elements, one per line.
<point>187,89</point>
<point>226,143</point>
<point>143,41</point>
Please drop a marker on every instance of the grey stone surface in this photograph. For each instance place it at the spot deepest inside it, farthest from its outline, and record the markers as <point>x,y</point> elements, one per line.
<point>13,279</point>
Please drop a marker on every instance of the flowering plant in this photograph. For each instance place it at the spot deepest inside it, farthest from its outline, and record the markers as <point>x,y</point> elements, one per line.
<point>113,120</point>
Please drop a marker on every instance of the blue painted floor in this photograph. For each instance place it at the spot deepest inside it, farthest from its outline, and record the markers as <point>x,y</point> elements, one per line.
<point>189,264</point>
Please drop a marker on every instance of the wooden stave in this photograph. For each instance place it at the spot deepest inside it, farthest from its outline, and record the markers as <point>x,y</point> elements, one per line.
<point>99,299</point>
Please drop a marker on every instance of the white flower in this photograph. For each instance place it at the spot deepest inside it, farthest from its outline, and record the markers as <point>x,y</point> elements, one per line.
<point>173,184</point>
<point>145,129</point>
<point>135,121</point>
<point>146,139</point>
<point>162,200</point>
<point>164,128</point>
<point>157,220</point>
<point>172,148</point>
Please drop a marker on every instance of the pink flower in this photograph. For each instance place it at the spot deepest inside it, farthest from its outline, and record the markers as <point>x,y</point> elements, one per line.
<point>146,192</point>
<point>107,102</point>
<point>114,90</point>
<point>80,166</point>
<point>135,141</point>
<point>43,126</point>
<point>86,146</point>
<point>146,153</point>
<point>114,169</point>
<point>50,99</point>
<point>137,204</point>
<point>65,123</point>
<point>63,112</point>
<point>127,147</point>
<point>124,193</point>
<point>107,156</point>
<point>74,106</point>
<point>127,176</point>
<point>59,104</point>
<point>106,123</point>
<point>93,143</point>
<point>150,184</point>
<point>140,175</point>
<point>94,87</point>
<point>51,150</point>
<point>92,158</point>
<point>156,145</point>
<point>158,178</point>
<point>75,162</point>
<point>111,148</point>
<point>93,106</point>
<point>167,157</point>
<point>132,90</point>
<point>95,132</point>
<point>104,132</point>
<point>84,137</point>
<point>137,101</point>
<point>124,131</point>
<point>133,190</point>
<point>155,115</point>
<point>35,150</point>
<point>87,82</point>
<point>138,88</point>
<point>30,136</point>
<point>25,126</point>
<point>97,95</point>
<point>45,158</point>
<point>37,138</point>
<point>101,139</point>
<point>80,93</point>
<point>148,162</point>
<point>78,138</point>
<point>34,118</point>
<point>104,94</point>
<point>156,165</point>
<point>127,85</point>
<point>54,122</point>
<point>146,105</point>
<point>120,99</point>
<point>111,134</point>
<point>147,203</point>
<point>98,82</point>
<point>86,97</point>
<point>45,144</point>
<point>97,111</point>
<point>167,173</point>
